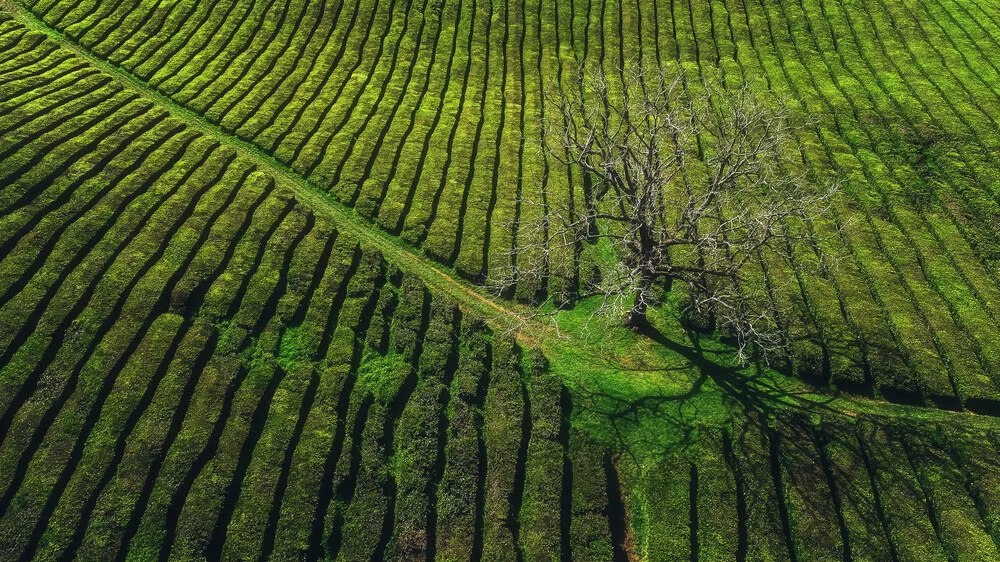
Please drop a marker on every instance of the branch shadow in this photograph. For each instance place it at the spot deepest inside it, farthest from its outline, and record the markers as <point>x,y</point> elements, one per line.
<point>821,475</point>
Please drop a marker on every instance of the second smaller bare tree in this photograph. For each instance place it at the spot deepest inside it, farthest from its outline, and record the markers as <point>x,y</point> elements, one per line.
<point>696,191</point>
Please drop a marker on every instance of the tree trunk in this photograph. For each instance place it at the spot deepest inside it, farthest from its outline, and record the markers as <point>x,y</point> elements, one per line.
<point>636,318</point>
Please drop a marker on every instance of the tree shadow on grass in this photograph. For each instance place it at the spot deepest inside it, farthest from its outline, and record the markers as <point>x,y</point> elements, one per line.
<point>717,389</point>
<point>796,450</point>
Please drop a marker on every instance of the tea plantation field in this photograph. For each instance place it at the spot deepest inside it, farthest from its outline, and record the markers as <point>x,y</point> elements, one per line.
<point>242,245</point>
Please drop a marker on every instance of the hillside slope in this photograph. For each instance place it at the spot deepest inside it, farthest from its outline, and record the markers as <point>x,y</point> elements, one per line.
<point>200,360</point>
<point>425,117</point>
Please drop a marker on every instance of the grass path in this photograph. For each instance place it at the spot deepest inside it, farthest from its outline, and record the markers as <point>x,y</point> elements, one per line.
<point>322,204</point>
<point>626,365</point>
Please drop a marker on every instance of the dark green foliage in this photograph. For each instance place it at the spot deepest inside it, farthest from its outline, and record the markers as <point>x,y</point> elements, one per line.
<point>957,519</point>
<point>903,505</point>
<point>721,533</point>
<point>540,520</point>
<point>419,435</point>
<point>504,414</point>
<point>765,524</point>
<point>460,494</point>
<point>812,512</point>
<point>590,534</point>
<point>663,498</point>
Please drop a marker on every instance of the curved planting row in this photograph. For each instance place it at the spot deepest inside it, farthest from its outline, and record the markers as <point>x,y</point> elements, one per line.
<point>194,366</point>
<point>425,117</point>
<point>900,294</point>
<point>913,259</point>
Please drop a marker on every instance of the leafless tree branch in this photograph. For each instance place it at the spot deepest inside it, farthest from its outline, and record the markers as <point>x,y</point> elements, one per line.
<point>689,192</point>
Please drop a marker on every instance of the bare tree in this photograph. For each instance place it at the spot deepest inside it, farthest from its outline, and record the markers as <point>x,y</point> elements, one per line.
<point>696,190</point>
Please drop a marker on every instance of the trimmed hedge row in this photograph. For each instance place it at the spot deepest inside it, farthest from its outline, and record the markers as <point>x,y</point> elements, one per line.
<point>426,118</point>
<point>195,366</point>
